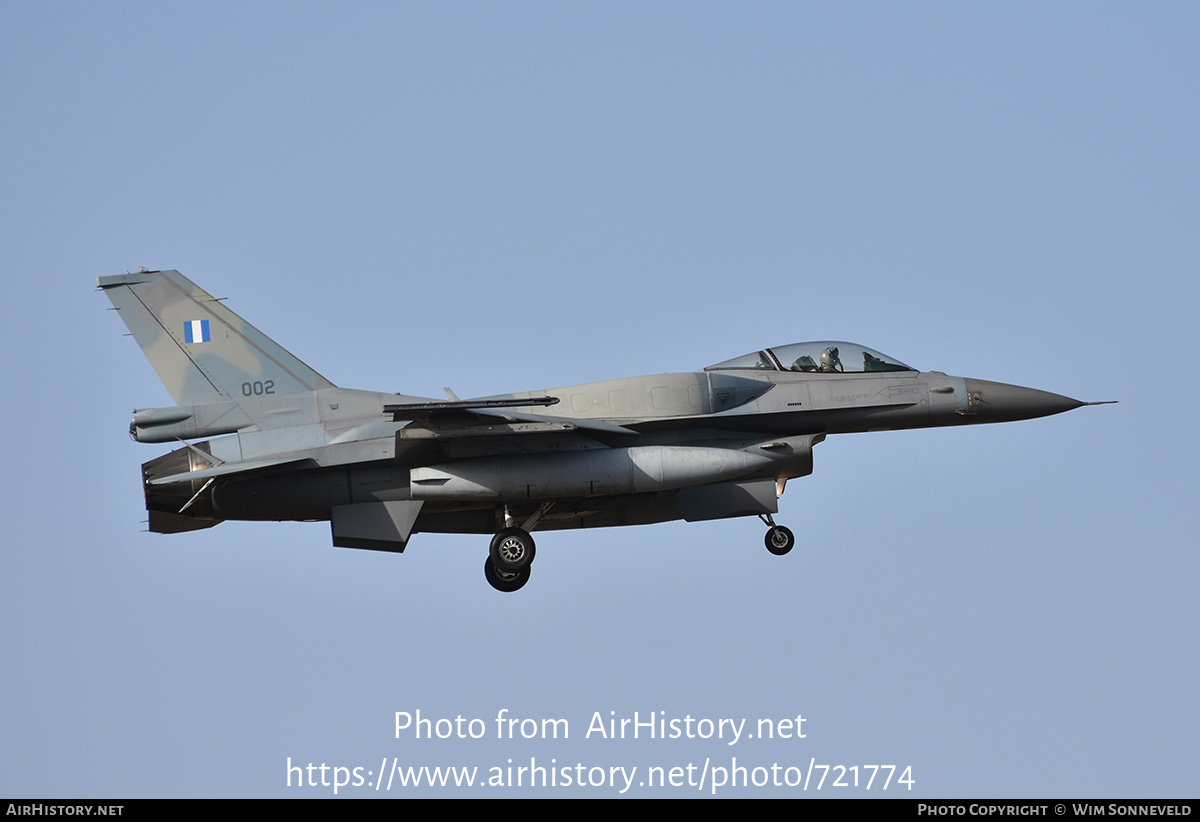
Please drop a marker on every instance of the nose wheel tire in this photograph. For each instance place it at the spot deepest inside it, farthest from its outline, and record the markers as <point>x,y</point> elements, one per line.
<point>506,581</point>
<point>779,540</point>
<point>512,549</point>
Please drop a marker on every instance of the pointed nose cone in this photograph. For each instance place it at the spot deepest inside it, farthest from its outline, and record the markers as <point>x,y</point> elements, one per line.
<point>1000,402</point>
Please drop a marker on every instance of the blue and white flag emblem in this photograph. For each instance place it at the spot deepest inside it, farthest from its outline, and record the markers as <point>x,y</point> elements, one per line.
<point>195,331</point>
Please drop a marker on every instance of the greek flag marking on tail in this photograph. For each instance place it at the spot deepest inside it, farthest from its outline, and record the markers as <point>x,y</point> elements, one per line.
<point>196,331</point>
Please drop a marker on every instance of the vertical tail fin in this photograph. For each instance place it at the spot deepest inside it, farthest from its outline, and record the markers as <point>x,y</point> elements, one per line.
<point>202,351</point>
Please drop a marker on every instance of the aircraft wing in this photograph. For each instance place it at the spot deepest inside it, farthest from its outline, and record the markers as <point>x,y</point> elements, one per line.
<point>481,418</point>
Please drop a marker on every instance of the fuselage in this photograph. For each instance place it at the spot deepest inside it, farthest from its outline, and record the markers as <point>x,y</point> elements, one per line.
<point>671,431</point>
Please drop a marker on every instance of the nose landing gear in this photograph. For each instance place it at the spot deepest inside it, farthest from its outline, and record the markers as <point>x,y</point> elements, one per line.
<point>779,539</point>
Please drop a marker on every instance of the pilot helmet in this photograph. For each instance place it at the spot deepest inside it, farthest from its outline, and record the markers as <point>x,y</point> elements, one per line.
<point>829,359</point>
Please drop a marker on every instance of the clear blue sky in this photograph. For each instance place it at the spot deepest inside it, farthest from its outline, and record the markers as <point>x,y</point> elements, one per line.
<point>500,197</point>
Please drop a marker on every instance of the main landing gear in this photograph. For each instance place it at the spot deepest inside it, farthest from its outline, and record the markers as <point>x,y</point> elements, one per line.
<point>779,539</point>
<point>506,581</point>
<point>511,554</point>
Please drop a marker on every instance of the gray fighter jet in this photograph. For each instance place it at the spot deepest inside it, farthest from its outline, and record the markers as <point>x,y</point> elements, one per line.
<point>290,445</point>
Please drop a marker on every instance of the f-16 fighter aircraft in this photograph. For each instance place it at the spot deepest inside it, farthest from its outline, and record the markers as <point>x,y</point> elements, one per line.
<point>287,444</point>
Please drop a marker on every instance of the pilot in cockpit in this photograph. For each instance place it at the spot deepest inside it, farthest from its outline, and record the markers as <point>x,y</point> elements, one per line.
<point>830,362</point>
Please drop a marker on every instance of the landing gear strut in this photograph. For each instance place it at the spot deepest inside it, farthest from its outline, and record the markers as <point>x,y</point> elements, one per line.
<point>779,539</point>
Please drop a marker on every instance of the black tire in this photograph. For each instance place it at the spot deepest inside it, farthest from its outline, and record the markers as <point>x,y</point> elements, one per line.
<point>512,549</point>
<point>506,581</point>
<point>780,540</point>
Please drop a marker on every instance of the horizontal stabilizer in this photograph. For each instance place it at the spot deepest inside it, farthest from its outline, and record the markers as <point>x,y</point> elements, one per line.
<point>228,468</point>
<point>165,522</point>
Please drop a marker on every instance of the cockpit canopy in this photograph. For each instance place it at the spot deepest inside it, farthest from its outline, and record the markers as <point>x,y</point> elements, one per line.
<point>826,357</point>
